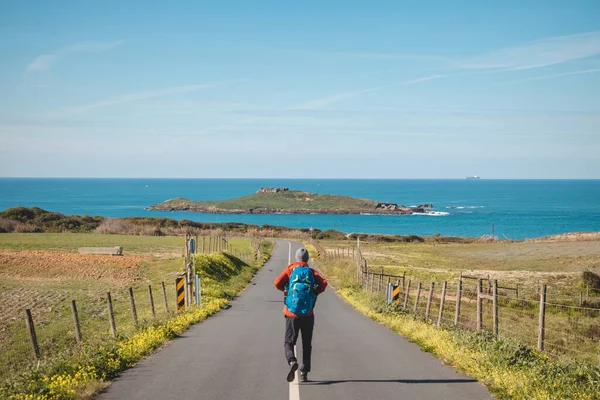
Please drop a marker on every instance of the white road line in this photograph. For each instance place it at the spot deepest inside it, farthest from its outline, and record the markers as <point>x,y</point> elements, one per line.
<point>294,387</point>
<point>290,253</point>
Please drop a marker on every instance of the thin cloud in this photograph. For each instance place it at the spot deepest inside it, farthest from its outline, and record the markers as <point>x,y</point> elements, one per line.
<point>536,54</point>
<point>317,103</point>
<point>133,97</point>
<point>47,61</point>
<point>368,55</point>
<point>537,78</point>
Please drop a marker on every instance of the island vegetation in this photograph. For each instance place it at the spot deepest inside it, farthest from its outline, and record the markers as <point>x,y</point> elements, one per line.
<point>284,201</point>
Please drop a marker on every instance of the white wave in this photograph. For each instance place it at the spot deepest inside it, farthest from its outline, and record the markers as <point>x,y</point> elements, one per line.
<point>463,207</point>
<point>366,214</point>
<point>433,213</point>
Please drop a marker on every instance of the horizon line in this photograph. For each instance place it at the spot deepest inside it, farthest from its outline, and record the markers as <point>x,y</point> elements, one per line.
<point>281,178</point>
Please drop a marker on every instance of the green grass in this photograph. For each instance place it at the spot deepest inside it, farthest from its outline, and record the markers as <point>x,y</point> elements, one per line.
<point>500,256</point>
<point>506,366</point>
<point>223,276</point>
<point>144,245</point>
<point>49,297</point>
<point>290,200</point>
<point>508,369</point>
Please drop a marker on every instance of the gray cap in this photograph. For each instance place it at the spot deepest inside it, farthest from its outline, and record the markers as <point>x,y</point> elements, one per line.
<point>302,255</point>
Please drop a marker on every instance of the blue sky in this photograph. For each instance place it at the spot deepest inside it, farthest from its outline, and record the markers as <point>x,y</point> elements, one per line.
<point>327,89</point>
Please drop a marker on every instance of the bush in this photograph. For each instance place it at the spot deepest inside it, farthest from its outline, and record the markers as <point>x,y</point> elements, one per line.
<point>591,280</point>
<point>116,226</point>
<point>7,226</point>
<point>331,234</point>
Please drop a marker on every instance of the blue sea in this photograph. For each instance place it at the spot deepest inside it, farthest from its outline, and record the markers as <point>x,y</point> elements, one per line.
<point>518,209</point>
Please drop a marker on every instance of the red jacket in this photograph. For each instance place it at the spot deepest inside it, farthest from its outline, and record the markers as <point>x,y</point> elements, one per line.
<point>282,280</point>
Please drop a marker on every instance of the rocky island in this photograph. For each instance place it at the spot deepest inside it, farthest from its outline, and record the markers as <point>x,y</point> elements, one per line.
<point>285,201</point>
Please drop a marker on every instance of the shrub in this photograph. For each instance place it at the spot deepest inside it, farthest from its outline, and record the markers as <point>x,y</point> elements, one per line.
<point>591,280</point>
<point>116,226</point>
<point>7,226</point>
<point>331,234</point>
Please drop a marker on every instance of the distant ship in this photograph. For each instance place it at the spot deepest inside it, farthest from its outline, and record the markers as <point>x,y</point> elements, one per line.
<point>472,177</point>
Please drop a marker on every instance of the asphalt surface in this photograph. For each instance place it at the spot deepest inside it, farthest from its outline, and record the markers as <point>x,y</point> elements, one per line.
<point>238,354</point>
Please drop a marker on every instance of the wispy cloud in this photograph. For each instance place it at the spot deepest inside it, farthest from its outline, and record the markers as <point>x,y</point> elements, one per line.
<point>550,76</point>
<point>132,97</point>
<point>47,61</point>
<point>323,101</point>
<point>368,55</point>
<point>536,54</point>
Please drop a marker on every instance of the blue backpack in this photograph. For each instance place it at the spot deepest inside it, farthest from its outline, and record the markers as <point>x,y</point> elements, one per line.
<point>301,291</point>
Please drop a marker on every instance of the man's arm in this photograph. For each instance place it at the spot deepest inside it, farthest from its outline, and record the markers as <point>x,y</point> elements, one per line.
<point>282,280</point>
<point>321,282</point>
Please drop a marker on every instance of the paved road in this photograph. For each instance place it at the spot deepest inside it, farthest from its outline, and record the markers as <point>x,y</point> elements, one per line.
<point>238,354</point>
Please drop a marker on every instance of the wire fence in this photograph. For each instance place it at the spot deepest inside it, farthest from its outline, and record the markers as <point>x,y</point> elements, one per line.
<point>82,316</point>
<point>562,323</point>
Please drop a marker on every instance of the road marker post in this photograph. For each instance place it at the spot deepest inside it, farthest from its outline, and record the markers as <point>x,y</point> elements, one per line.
<point>396,294</point>
<point>180,293</point>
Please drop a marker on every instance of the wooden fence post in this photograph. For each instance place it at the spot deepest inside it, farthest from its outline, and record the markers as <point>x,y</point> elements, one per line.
<point>517,292</point>
<point>429,298</point>
<point>403,279</point>
<point>132,304</point>
<point>111,315</point>
<point>417,299</point>
<point>76,321</point>
<point>442,301</point>
<point>372,280</point>
<point>406,293</point>
<point>542,319</point>
<point>495,301</point>
<point>32,335</point>
<point>479,305</point>
<point>164,291</point>
<point>203,243</point>
<point>458,300</point>
<point>151,301</point>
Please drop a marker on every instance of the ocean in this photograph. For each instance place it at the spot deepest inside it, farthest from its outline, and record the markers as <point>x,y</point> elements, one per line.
<point>518,209</point>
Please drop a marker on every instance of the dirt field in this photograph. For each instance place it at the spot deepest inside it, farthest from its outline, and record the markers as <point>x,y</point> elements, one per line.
<point>39,280</point>
<point>58,267</point>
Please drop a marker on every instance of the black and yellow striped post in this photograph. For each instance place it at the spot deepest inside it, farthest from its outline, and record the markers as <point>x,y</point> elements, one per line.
<point>180,288</point>
<point>255,255</point>
<point>318,255</point>
<point>396,294</point>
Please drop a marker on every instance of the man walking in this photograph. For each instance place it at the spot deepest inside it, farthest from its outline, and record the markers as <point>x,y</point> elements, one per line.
<point>301,284</point>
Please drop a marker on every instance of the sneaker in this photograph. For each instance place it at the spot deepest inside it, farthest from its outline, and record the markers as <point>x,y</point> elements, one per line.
<point>292,374</point>
<point>304,376</point>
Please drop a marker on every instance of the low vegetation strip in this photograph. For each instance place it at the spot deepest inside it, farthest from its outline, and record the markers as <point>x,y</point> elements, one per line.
<point>79,371</point>
<point>509,369</point>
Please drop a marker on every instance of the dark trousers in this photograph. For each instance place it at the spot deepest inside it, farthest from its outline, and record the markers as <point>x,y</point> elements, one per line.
<point>293,328</point>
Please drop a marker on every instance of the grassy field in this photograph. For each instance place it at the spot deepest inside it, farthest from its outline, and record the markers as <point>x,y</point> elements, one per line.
<point>289,200</point>
<point>510,262</point>
<point>571,331</point>
<point>508,364</point>
<point>44,273</point>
